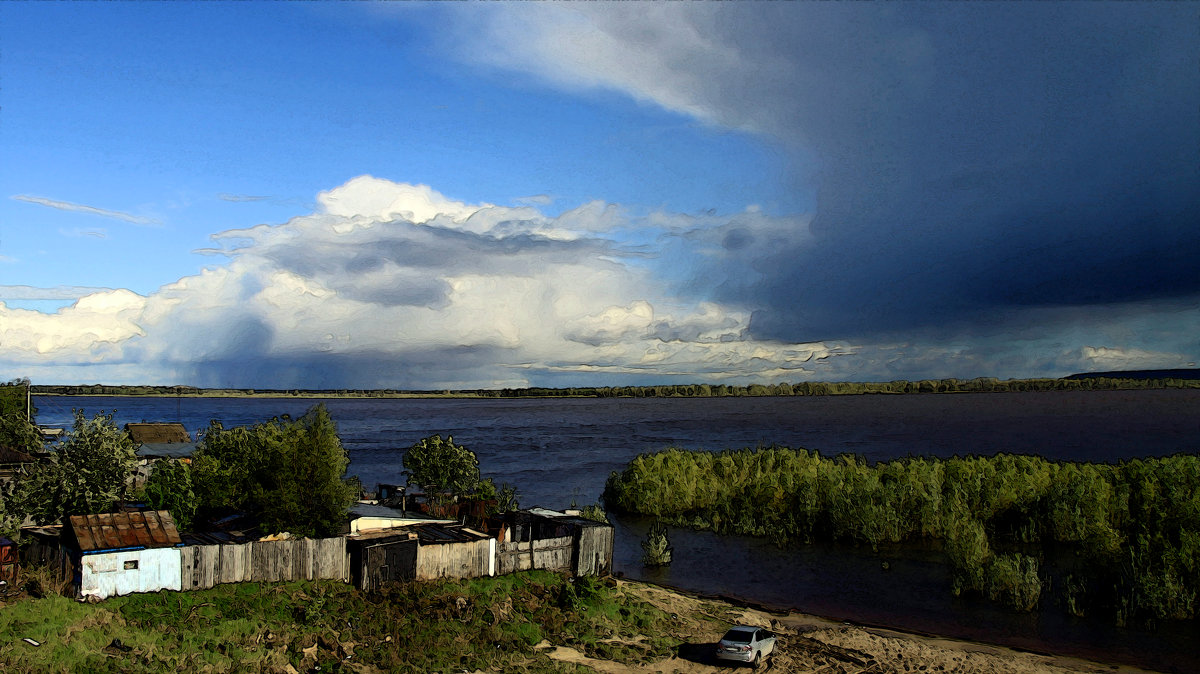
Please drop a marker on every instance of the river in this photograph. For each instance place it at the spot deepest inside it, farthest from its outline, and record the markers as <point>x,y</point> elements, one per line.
<point>560,451</point>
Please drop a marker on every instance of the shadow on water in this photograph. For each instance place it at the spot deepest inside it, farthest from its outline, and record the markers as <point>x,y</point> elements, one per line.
<point>905,588</point>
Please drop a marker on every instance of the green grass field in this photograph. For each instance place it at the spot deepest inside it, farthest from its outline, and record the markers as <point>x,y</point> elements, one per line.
<point>490,624</point>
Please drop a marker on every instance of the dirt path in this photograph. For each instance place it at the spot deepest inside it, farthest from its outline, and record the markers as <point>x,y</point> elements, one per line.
<point>809,644</point>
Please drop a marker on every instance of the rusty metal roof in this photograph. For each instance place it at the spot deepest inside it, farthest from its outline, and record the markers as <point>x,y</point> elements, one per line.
<point>125,531</point>
<point>158,433</point>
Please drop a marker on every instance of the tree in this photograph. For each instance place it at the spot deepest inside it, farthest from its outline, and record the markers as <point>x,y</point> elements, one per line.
<point>289,473</point>
<point>169,488</point>
<point>17,428</point>
<point>12,512</point>
<point>17,433</point>
<point>90,470</point>
<point>439,466</point>
<point>505,496</point>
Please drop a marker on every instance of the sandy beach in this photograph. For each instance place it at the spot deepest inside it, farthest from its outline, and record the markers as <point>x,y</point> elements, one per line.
<point>811,644</point>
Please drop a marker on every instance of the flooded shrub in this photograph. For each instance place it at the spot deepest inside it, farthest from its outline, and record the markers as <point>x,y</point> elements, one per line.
<point>1013,581</point>
<point>1134,525</point>
<point>656,548</point>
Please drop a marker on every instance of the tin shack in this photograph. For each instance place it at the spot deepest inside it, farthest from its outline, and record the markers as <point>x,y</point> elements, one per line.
<point>114,554</point>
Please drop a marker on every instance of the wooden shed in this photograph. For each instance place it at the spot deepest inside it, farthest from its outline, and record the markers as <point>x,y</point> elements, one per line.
<point>120,553</point>
<point>382,557</point>
<point>421,552</point>
<point>545,539</point>
<point>453,552</point>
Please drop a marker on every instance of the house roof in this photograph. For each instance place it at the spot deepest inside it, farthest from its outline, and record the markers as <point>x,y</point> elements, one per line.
<point>10,455</point>
<point>166,450</point>
<point>125,531</point>
<point>157,433</point>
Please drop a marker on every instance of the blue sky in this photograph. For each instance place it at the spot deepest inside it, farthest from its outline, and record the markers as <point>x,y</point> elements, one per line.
<point>431,195</point>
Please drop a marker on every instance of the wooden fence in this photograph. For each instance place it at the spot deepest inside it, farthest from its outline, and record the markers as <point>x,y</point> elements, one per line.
<point>203,566</point>
<point>552,554</point>
<point>465,559</point>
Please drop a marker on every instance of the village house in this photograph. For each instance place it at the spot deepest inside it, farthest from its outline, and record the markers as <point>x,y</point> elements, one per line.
<point>12,462</point>
<point>156,442</point>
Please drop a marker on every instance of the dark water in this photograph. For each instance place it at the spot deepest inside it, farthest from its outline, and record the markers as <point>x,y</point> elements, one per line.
<point>558,451</point>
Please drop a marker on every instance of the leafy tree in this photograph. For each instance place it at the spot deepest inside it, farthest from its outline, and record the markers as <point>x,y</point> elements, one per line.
<point>289,473</point>
<point>17,428</point>
<point>12,514</point>
<point>17,433</point>
<point>169,487</point>
<point>505,496</point>
<point>90,470</point>
<point>439,466</point>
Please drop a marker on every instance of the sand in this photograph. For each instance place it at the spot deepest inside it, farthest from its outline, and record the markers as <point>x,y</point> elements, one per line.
<point>811,644</point>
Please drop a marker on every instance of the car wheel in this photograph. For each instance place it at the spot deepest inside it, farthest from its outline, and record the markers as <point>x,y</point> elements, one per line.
<point>756,661</point>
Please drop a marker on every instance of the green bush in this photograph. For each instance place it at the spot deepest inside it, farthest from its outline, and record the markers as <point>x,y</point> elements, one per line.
<point>656,549</point>
<point>1135,525</point>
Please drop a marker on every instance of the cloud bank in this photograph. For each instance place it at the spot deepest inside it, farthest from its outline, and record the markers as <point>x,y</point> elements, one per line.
<point>396,285</point>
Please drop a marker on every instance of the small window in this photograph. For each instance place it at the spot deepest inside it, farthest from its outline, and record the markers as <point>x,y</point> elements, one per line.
<point>131,564</point>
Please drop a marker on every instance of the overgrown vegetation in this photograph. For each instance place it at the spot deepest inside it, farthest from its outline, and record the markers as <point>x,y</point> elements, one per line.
<point>169,488</point>
<point>290,473</point>
<point>489,624</point>
<point>18,429</point>
<point>90,470</point>
<point>1133,528</point>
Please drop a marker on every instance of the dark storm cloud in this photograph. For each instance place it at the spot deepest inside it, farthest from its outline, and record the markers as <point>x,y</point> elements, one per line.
<point>977,159</point>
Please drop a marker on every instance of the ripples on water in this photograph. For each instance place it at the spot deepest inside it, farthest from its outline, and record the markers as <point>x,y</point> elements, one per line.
<point>561,450</point>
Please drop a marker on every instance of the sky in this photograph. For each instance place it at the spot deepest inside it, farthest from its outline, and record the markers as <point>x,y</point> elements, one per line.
<point>487,195</point>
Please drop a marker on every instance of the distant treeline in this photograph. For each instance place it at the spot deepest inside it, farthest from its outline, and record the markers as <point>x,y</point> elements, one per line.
<point>900,386</point>
<point>1119,540</point>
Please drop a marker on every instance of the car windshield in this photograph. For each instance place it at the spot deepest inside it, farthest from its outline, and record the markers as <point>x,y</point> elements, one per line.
<point>740,636</point>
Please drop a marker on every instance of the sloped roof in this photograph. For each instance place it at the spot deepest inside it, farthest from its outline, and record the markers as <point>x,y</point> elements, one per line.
<point>157,433</point>
<point>125,531</point>
<point>166,450</point>
<point>10,455</point>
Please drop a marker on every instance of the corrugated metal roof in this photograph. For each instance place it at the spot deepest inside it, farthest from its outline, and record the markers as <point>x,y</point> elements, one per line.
<point>439,533</point>
<point>119,531</point>
<point>154,433</point>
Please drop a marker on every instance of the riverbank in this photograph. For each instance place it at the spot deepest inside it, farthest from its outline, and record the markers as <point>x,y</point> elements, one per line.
<point>526,622</point>
<point>812,644</point>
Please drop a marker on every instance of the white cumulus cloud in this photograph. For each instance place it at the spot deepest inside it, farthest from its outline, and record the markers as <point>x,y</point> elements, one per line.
<point>396,285</point>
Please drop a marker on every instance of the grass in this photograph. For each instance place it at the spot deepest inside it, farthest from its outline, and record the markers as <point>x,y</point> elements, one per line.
<point>491,624</point>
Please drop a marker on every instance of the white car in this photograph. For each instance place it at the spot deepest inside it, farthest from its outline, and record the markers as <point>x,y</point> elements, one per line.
<point>746,644</point>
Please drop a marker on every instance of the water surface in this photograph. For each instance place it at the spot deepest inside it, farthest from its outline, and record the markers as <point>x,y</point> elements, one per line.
<point>559,451</point>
